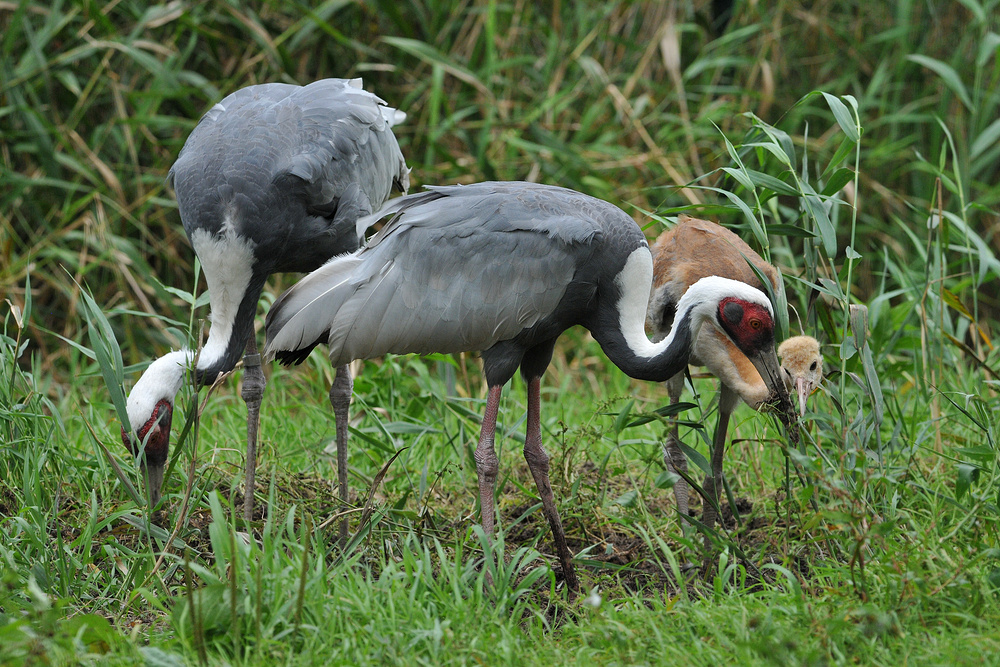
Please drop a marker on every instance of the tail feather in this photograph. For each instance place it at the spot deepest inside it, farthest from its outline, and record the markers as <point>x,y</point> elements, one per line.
<point>355,329</point>
<point>301,318</point>
<point>392,116</point>
<point>393,209</point>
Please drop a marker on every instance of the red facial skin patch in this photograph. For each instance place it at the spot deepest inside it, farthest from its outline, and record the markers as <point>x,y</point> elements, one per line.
<point>750,325</point>
<point>158,442</point>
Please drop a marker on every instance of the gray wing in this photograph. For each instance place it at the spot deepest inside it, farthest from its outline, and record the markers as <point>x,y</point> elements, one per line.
<point>562,214</point>
<point>458,268</point>
<point>328,144</point>
<point>346,140</point>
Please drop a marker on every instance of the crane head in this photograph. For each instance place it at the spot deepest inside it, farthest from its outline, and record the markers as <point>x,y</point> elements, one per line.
<point>750,325</point>
<point>153,439</point>
<point>801,366</point>
<point>150,408</point>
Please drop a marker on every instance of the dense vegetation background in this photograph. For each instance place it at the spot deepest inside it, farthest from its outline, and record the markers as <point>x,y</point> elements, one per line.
<point>856,144</point>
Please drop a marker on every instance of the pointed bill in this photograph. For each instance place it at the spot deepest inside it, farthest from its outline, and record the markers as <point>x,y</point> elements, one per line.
<point>766,363</point>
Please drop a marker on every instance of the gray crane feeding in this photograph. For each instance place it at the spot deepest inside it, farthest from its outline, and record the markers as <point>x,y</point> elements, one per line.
<point>274,178</point>
<point>505,268</point>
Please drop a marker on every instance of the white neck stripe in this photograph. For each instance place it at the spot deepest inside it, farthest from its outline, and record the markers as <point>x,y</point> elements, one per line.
<point>698,303</point>
<point>227,261</point>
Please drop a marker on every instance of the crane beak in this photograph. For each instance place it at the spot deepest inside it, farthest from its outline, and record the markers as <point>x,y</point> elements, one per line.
<point>766,363</point>
<point>153,464</point>
<point>153,439</point>
<point>154,482</point>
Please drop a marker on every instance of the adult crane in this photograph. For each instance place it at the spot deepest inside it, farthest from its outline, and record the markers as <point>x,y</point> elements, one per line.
<point>505,268</point>
<point>683,255</point>
<point>274,178</point>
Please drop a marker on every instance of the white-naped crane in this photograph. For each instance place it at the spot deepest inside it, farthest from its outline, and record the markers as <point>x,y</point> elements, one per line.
<point>274,178</point>
<point>505,268</point>
<point>682,256</point>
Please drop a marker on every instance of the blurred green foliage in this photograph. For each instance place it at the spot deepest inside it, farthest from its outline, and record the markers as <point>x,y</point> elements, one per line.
<point>623,100</point>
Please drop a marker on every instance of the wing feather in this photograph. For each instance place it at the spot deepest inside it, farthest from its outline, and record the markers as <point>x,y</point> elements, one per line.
<point>458,268</point>
<point>300,318</point>
<point>325,144</point>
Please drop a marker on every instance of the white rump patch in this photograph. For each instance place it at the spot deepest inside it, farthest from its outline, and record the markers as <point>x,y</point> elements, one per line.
<point>162,380</point>
<point>228,263</point>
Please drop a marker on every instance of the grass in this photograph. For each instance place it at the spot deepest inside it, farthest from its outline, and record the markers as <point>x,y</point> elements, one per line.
<point>857,151</point>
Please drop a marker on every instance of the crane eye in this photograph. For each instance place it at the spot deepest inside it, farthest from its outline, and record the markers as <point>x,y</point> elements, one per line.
<point>755,323</point>
<point>812,366</point>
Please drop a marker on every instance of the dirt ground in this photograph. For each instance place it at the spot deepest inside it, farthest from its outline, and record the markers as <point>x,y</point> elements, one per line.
<point>617,557</point>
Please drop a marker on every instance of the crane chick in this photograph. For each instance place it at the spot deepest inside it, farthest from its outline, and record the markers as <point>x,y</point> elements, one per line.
<point>801,367</point>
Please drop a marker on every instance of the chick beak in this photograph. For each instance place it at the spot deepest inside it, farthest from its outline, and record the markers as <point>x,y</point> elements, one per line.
<point>803,388</point>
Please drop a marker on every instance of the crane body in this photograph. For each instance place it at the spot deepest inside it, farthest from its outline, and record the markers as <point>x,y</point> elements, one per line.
<point>505,268</point>
<point>274,178</point>
<point>688,252</point>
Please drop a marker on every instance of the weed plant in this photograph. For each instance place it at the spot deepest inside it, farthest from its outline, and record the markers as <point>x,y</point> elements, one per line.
<point>857,149</point>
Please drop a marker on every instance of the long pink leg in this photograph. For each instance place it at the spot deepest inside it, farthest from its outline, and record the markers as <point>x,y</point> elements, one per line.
<point>673,456</point>
<point>538,464</point>
<point>340,399</point>
<point>728,400</point>
<point>252,394</point>
<point>713,482</point>
<point>487,463</point>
